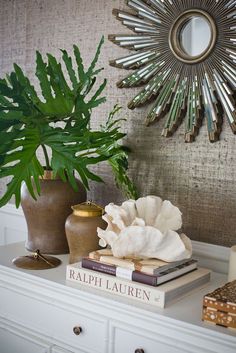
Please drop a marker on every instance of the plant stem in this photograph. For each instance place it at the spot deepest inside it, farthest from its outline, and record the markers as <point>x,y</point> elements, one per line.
<point>46,157</point>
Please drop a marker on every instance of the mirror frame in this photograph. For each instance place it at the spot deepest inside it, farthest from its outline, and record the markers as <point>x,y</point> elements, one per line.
<point>180,86</point>
<point>175,31</point>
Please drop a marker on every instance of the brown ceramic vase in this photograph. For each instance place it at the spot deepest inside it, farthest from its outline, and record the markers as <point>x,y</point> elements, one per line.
<point>81,230</point>
<point>46,217</point>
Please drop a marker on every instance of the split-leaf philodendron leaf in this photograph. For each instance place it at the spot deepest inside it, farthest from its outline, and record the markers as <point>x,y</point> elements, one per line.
<point>57,119</point>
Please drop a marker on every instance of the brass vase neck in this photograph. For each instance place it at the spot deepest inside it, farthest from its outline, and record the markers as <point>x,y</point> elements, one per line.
<point>87,209</point>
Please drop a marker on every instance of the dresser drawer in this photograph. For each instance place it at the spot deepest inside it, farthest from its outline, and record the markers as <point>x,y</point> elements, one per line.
<point>14,341</point>
<point>140,342</point>
<point>76,328</point>
<point>128,338</point>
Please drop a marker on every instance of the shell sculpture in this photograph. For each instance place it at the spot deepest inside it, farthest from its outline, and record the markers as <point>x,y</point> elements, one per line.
<point>145,228</point>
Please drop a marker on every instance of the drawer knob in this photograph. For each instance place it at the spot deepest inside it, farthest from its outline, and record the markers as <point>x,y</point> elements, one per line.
<point>139,350</point>
<point>77,330</point>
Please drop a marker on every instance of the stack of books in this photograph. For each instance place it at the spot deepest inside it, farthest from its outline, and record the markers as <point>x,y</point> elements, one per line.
<point>152,272</point>
<point>219,307</point>
<point>150,281</point>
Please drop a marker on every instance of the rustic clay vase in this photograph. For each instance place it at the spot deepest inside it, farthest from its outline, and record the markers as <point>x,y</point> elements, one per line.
<point>81,230</point>
<point>46,217</point>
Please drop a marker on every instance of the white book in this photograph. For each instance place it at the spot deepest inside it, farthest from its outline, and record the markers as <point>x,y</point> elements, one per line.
<point>159,296</point>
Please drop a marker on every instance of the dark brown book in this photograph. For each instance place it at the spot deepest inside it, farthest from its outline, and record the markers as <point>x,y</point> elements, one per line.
<point>137,276</point>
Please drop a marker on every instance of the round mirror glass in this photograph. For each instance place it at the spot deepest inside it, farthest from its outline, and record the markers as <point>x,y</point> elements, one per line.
<point>195,36</point>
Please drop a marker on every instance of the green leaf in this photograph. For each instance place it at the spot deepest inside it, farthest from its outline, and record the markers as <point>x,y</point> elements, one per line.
<point>26,166</point>
<point>58,76</point>
<point>29,122</point>
<point>119,167</point>
<point>98,92</point>
<point>95,103</point>
<point>94,62</point>
<point>29,88</point>
<point>80,65</point>
<point>68,62</point>
<point>41,73</point>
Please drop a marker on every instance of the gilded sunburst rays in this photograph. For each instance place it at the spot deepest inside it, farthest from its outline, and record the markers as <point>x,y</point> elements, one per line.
<point>180,87</point>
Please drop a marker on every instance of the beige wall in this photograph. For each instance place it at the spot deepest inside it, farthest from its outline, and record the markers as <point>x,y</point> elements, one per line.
<point>199,178</point>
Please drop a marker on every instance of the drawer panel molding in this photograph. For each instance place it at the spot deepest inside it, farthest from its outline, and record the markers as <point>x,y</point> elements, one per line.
<point>21,337</point>
<point>127,338</point>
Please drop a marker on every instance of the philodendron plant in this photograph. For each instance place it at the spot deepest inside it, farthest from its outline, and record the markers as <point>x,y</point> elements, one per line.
<point>57,119</point>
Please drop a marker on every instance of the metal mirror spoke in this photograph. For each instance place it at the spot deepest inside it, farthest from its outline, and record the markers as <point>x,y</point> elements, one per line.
<point>184,55</point>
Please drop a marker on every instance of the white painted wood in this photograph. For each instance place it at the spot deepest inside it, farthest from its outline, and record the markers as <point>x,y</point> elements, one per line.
<point>127,340</point>
<point>13,226</point>
<point>212,256</point>
<point>48,307</point>
<point>14,339</point>
<point>51,320</point>
<point>10,209</point>
<point>56,349</point>
<point>13,229</point>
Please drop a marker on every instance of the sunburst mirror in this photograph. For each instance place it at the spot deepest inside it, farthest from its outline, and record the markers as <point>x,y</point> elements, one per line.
<point>184,55</point>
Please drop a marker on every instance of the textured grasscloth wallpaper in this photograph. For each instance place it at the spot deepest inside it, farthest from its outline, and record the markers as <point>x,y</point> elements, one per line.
<point>199,178</point>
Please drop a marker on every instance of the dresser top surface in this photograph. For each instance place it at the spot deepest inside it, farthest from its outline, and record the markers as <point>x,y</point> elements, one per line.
<point>187,310</point>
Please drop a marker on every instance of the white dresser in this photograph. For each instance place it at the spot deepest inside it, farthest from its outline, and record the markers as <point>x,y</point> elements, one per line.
<point>41,313</point>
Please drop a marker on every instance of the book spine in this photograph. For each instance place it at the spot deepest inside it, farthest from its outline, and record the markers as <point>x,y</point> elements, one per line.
<point>172,266</point>
<point>114,285</point>
<point>119,272</point>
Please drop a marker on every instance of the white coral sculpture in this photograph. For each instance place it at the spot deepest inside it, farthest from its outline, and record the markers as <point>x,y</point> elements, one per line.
<point>145,228</point>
